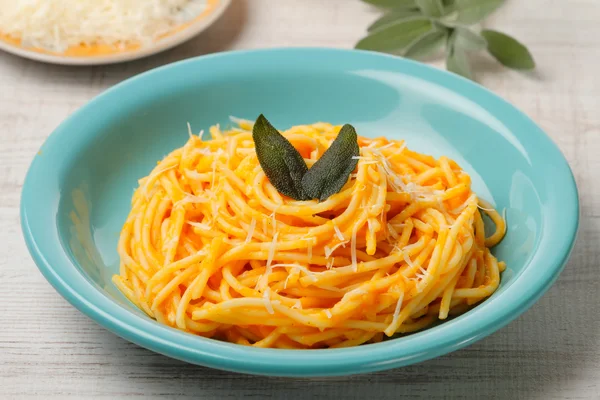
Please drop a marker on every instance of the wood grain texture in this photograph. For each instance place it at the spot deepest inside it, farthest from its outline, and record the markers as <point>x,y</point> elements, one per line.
<point>49,350</point>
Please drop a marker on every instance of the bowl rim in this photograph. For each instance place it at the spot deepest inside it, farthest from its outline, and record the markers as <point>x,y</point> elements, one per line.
<point>43,242</point>
<point>160,45</point>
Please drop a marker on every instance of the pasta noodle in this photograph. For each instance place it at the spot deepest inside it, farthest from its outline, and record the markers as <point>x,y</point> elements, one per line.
<point>212,248</point>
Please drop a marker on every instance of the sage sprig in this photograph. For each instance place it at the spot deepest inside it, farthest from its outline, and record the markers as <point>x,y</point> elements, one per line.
<point>418,28</point>
<point>287,171</point>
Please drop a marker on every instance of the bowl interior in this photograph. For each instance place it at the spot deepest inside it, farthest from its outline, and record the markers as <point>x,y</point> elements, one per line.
<point>90,166</point>
<point>100,181</point>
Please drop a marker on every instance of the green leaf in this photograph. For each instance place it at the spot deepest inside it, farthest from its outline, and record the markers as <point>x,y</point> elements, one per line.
<point>392,3</point>
<point>473,11</point>
<point>426,45</point>
<point>431,8</point>
<point>396,36</point>
<point>467,40</point>
<point>458,63</point>
<point>282,163</point>
<point>393,17</point>
<point>508,51</point>
<point>330,173</point>
<point>457,60</point>
<point>450,19</point>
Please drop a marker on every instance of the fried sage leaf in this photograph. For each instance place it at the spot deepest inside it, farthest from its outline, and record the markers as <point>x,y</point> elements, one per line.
<point>330,173</point>
<point>281,162</point>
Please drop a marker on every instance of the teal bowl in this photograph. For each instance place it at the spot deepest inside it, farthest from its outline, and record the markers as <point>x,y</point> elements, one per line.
<point>78,189</point>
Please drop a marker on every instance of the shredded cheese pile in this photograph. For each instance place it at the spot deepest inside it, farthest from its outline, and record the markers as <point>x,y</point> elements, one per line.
<point>212,248</point>
<point>57,25</point>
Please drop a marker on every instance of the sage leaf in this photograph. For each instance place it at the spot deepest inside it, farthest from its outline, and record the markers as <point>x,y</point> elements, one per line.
<point>449,20</point>
<point>457,60</point>
<point>426,45</point>
<point>392,3</point>
<point>330,173</point>
<point>281,162</point>
<point>431,8</point>
<point>508,51</point>
<point>395,37</point>
<point>467,40</point>
<point>394,16</point>
<point>473,11</point>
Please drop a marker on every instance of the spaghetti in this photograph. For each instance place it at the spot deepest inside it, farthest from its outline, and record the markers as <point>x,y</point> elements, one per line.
<point>212,248</point>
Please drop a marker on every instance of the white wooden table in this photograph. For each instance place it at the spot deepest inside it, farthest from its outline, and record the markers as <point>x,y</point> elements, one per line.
<point>50,350</point>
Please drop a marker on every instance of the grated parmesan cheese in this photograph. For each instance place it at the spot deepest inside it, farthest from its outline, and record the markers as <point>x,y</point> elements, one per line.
<point>251,230</point>
<point>190,198</point>
<point>306,271</point>
<point>339,233</point>
<point>408,260</point>
<point>329,251</point>
<point>420,276</point>
<point>386,146</point>
<point>272,247</point>
<point>241,122</point>
<point>330,263</point>
<point>57,25</point>
<point>267,299</point>
<point>154,176</point>
<point>396,314</point>
<point>264,280</point>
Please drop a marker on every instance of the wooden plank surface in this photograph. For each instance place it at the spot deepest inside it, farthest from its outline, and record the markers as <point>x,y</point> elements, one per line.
<point>49,350</point>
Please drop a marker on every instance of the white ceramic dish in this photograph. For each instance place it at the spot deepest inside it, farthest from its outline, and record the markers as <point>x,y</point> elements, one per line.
<point>179,36</point>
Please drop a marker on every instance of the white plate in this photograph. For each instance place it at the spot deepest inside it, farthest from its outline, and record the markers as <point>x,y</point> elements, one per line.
<point>192,29</point>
